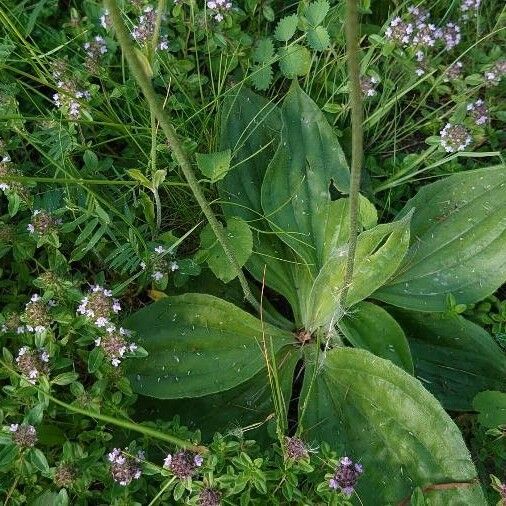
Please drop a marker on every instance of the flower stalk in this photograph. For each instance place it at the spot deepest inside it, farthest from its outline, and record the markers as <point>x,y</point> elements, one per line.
<point>357,117</point>
<point>175,144</point>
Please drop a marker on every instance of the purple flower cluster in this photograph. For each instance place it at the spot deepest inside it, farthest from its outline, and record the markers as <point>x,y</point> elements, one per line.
<point>496,73</point>
<point>469,8</point>
<point>455,138</point>
<point>218,8</point>
<point>295,448</point>
<point>31,363</point>
<point>24,436</point>
<point>346,476</point>
<point>37,314</point>
<point>209,497</point>
<point>368,85</point>
<point>99,306</point>
<point>183,464</point>
<point>114,344</point>
<point>94,50</point>
<point>42,223</point>
<point>158,265</point>
<point>453,72</point>
<point>478,111</point>
<point>124,468</point>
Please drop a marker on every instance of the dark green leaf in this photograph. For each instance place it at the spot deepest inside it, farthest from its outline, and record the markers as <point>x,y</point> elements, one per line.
<point>458,240</point>
<point>491,407</point>
<point>197,345</point>
<point>370,327</point>
<point>369,409</point>
<point>453,357</point>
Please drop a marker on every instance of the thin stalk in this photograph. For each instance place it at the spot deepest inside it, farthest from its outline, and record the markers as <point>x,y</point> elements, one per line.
<point>357,136</point>
<point>124,424</point>
<point>174,143</point>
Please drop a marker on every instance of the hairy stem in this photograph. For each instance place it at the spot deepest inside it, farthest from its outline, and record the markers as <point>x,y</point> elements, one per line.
<point>352,51</point>
<point>174,143</point>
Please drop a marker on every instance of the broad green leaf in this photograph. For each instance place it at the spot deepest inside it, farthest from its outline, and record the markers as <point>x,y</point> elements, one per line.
<point>38,459</point>
<point>379,252</point>
<point>286,28</point>
<point>316,11</point>
<point>8,454</point>
<point>454,358</point>
<point>294,60</point>
<point>318,38</point>
<point>295,191</point>
<point>370,327</point>
<point>240,239</point>
<point>214,166</point>
<point>367,408</point>
<point>458,240</point>
<point>248,405</point>
<point>491,407</point>
<point>198,345</point>
<point>250,127</point>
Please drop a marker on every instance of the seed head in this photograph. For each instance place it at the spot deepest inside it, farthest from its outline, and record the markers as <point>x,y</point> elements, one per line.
<point>114,344</point>
<point>42,223</point>
<point>32,363</point>
<point>295,448</point>
<point>24,436</point>
<point>64,475</point>
<point>99,306</point>
<point>209,497</point>
<point>479,112</point>
<point>37,314</point>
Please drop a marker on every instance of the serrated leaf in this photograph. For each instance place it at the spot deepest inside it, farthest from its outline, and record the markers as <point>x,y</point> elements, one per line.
<point>458,236</point>
<point>454,357</point>
<point>294,60</point>
<point>369,409</point>
<point>316,11</point>
<point>318,38</point>
<point>286,28</point>
<point>261,76</point>
<point>198,345</point>
<point>240,239</point>
<point>491,406</point>
<point>214,166</point>
<point>370,327</point>
<point>264,51</point>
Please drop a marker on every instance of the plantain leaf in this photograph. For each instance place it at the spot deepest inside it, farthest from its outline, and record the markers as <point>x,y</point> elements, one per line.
<point>454,357</point>
<point>367,408</point>
<point>370,327</point>
<point>491,407</point>
<point>295,191</point>
<point>198,345</point>
<point>458,236</point>
<point>246,405</point>
<point>379,252</point>
<point>250,127</point>
<point>240,239</point>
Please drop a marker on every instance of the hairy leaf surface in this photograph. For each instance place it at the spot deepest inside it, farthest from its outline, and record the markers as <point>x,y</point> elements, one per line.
<point>370,327</point>
<point>458,240</point>
<point>367,408</point>
<point>198,345</point>
<point>454,357</point>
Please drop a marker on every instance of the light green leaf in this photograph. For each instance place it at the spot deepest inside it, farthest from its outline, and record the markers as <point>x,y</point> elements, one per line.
<point>294,60</point>
<point>370,327</point>
<point>38,459</point>
<point>198,345</point>
<point>159,177</point>
<point>65,378</point>
<point>240,240</point>
<point>454,358</point>
<point>295,191</point>
<point>491,407</point>
<point>214,166</point>
<point>379,252</point>
<point>316,11</point>
<point>458,240</point>
<point>286,28</point>
<point>139,176</point>
<point>367,408</point>
<point>318,38</point>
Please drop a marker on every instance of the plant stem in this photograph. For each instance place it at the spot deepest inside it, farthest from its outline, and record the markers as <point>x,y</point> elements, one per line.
<point>174,143</point>
<point>352,49</point>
